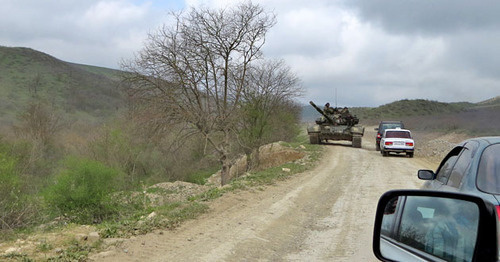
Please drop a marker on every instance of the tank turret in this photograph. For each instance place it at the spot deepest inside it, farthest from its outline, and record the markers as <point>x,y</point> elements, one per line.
<point>330,120</point>
<point>335,116</point>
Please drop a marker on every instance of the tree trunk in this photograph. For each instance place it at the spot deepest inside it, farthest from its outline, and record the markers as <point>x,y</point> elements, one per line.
<point>224,175</point>
<point>225,159</point>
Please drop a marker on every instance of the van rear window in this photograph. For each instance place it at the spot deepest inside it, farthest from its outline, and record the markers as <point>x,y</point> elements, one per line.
<point>391,126</point>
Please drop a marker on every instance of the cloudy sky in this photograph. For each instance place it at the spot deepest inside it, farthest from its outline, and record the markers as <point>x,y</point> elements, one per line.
<point>368,52</point>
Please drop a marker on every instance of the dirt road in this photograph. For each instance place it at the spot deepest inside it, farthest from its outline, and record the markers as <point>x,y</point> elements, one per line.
<point>326,214</point>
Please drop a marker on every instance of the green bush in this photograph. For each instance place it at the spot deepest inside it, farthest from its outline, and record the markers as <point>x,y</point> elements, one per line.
<point>200,176</point>
<point>82,191</point>
<point>18,208</point>
<point>121,148</point>
<point>9,191</point>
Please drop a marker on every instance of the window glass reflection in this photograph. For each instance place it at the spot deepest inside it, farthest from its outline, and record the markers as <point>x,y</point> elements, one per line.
<point>388,220</point>
<point>445,228</point>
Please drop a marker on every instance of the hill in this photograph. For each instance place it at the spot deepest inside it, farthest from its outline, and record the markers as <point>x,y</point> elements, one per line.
<point>78,90</point>
<point>481,118</point>
<point>495,101</point>
<point>397,109</point>
<point>408,108</point>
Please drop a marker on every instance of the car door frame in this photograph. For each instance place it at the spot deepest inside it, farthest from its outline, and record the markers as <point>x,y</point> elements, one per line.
<point>435,183</point>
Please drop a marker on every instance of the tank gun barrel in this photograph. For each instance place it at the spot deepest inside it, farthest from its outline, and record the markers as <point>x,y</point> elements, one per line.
<point>322,112</point>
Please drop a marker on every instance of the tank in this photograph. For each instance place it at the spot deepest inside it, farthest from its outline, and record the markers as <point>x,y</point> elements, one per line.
<point>335,124</point>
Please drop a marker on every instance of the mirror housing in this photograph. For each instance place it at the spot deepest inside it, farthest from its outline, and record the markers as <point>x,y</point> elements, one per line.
<point>485,248</point>
<point>376,128</point>
<point>425,174</point>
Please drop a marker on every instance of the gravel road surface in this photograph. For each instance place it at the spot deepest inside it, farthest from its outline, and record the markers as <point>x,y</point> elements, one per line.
<point>325,214</point>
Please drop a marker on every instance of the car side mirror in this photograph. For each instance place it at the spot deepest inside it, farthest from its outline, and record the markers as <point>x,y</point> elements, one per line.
<point>423,225</point>
<point>425,174</point>
<point>376,128</point>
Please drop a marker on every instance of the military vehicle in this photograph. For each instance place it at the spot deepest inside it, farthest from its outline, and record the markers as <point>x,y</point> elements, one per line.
<point>335,124</point>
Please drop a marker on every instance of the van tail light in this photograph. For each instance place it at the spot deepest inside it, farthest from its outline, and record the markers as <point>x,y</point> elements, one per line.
<point>498,213</point>
<point>409,144</point>
<point>388,143</point>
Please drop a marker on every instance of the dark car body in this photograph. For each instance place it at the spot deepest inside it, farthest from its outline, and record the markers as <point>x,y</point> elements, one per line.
<point>471,167</point>
<point>440,229</point>
<point>425,225</point>
<point>382,126</point>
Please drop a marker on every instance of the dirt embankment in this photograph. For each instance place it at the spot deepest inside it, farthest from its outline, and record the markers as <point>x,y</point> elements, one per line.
<point>435,146</point>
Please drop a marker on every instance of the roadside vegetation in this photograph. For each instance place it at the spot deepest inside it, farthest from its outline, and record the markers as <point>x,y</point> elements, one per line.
<point>89,192</point>
<point>72,154</point>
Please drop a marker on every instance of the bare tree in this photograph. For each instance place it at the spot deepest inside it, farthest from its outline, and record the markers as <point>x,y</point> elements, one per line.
<point>270,91</point>
<point>35,84</point>
<point>197,70</point>
<point>40,122</point>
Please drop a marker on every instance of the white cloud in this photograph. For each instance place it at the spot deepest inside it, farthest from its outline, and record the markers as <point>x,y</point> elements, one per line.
<point>373,52</point>
<point>369,65</point>
<point>110,13</point>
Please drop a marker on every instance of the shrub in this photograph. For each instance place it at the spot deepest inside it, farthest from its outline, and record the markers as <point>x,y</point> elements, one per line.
<point>81,191</point>
<point>9,190</point>
<point>200,176</point>
<point>17,207</point>
<point>148,158</point>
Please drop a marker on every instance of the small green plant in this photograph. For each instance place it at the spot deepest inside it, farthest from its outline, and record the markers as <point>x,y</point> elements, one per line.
<point>81,191</point>
<point>200,176</point>
<point>210,194</point>
<point>188,211</point>
<point>16,257</point>
<point>76,251</point>
<point>109,229</point>
<point>168,215</point>
<point>44,246</point>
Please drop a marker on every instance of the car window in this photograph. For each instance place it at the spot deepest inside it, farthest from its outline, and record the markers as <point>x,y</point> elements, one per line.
<point>397,134</point>
<point>437,227</point>
<point>462,164</point>
<point>488,174</point>
<point>445,170</point>
<point>389,217</point>
<point>447,163</point>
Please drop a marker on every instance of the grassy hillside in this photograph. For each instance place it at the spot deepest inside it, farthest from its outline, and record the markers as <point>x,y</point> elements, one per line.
<point>395,110</point>
<point>482,118</point>
<point>475,121</point>
<point>490,103</point>
<point>408,108</point>
<point>78,90</point>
